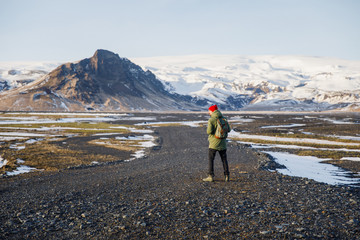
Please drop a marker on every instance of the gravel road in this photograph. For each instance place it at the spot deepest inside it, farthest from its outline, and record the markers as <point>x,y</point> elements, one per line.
<point>162,197</point>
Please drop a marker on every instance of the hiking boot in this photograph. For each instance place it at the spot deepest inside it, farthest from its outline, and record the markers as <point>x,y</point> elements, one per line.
<point>227,178</point>
<point>208,179</point>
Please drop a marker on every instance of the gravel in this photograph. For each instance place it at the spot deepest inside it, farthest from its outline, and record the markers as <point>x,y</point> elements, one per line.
<point>162,197</point>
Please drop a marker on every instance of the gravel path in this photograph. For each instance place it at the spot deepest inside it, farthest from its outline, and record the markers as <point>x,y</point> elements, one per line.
<point>162,197</point>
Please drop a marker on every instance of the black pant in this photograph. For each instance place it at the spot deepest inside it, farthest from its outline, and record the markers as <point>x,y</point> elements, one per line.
<point>223,156</point>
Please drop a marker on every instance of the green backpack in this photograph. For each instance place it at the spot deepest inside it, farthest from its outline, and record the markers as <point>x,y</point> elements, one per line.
<point>222,128</point>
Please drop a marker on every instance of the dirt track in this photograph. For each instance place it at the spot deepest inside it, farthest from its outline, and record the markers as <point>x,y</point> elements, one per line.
<point>162,197</point>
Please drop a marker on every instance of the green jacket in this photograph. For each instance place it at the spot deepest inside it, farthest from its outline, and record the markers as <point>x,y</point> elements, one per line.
<point>215,143</point>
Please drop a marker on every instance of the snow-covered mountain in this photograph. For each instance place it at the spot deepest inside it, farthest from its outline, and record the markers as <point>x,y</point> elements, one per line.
<point>238,82</point>
<point>17,74</point>
<point>276,82</point>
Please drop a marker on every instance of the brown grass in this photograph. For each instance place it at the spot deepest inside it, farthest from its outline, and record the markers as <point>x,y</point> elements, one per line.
<point>48,156</point>
<point>127,145</point>
<point>335,155</point>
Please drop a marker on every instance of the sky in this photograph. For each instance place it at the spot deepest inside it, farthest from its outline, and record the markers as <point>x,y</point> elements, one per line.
<point>70,30</point>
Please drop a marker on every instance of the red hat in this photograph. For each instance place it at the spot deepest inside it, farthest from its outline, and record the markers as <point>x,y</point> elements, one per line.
<point>213,108</point>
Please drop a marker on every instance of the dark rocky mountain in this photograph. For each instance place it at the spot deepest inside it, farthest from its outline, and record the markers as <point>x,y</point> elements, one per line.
<point>104,82</point>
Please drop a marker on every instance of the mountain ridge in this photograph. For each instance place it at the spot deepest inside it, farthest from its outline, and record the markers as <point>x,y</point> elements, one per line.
<point>266,82</point>
<point>234,82</point>
<point>104,82</point>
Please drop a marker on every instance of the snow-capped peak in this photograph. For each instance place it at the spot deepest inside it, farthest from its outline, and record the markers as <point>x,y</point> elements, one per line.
<point>216,77</point>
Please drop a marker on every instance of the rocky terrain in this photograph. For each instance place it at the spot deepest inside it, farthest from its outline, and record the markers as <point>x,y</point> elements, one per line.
<point>162,197</point>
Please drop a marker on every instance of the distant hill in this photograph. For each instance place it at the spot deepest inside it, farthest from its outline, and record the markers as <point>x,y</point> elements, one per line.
<point>104,82</point>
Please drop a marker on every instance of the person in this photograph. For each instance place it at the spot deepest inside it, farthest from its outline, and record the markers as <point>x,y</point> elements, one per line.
<point>216,145</point>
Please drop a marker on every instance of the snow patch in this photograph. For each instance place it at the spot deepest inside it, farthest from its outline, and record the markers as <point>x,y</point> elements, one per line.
<point>285,126</point>
<point>20,170</point>
<point>3,162</point>
<point>313,168</point>
<point>357,159</point>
